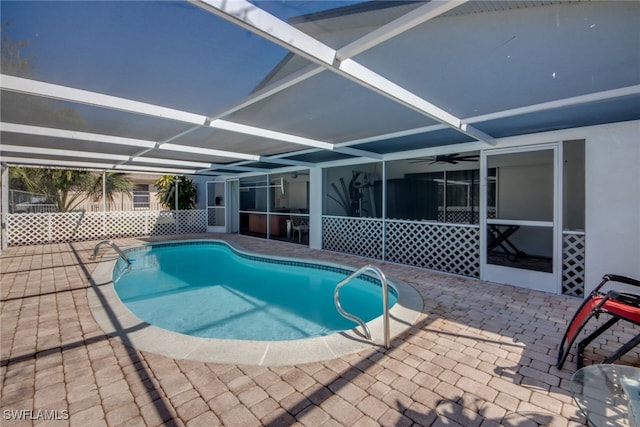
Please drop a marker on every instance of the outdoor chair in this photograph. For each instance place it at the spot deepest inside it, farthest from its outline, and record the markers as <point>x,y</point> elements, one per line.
<point>614,303</point>
<point>298,225</point>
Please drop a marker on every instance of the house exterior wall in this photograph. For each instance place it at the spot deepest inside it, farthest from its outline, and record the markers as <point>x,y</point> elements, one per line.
<point>612,203</point>
<point>123,202</point>
<point>611,196</point>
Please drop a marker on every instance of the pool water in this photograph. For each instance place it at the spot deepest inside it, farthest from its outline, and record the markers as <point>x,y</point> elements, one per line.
<point>207,289</point>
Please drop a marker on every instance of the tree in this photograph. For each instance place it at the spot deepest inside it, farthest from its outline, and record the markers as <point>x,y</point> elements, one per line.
<point>187,192</point>
<point>69,188</point>
<point>63,187</point>
<point>115,182</point>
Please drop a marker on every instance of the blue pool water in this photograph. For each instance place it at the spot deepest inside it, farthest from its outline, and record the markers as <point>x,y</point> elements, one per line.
<point>208,289</point>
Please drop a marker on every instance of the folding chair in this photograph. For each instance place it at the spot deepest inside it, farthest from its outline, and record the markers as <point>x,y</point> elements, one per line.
<point>619,305</point>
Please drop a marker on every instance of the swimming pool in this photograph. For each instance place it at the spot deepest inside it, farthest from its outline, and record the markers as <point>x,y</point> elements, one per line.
<point>118,321</point>
<point>207,289</point>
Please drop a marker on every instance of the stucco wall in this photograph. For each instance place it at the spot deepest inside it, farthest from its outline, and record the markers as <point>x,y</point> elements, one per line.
<point>612,204</point>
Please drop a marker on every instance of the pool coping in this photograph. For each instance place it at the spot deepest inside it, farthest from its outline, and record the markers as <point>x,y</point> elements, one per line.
<point>116,320</point>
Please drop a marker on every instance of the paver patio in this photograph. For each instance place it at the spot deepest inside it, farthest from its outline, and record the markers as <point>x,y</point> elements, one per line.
<point>481,354</point>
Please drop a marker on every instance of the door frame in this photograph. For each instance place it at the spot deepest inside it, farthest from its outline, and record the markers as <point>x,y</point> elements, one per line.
<point>223,207</point>
<point>548,282</point>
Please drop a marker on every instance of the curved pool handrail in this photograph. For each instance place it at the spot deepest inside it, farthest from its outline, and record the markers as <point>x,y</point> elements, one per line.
<point>385,301</point>
<point>115,248</point>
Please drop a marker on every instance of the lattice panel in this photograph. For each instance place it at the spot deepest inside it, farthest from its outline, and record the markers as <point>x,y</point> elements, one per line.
<point>573,248</point>
<point>463,214</point>
<point>30,229</point>
<point>127,223</point>
<point>355,236</point>
<point>449,248</point>
<point>192,221</point>
<point>76,226</point>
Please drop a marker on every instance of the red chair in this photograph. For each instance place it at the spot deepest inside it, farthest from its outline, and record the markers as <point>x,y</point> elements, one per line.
<point>619,305</point>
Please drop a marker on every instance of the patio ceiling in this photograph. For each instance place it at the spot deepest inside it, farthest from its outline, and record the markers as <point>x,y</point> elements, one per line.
<point>226,87</point>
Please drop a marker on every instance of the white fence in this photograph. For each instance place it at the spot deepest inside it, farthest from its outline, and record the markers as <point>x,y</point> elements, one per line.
<point>35,228</point>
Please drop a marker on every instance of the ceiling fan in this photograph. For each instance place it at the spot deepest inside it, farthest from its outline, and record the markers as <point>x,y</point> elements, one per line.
<point>453,159</point>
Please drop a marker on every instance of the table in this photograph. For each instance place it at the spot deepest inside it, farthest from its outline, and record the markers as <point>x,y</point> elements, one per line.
<point>499,236</point>
<point>599,393</point>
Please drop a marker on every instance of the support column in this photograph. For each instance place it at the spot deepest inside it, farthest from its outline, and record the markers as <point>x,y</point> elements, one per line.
<point>4,207</point>
<point>104,191</point>
<point>315,208</point>
<point>104,204</point>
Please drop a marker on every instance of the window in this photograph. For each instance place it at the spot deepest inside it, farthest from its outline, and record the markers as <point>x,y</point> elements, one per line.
<point>141,196</point>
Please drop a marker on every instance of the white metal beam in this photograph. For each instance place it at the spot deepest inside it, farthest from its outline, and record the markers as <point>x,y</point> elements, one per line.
<point>215,167</point>
<point>110,139</point>
<point>370,79</point>
<point>260,22</point>
<point>358,153</point>
<point>26,161</point>
<point>71,134</point>
<point>21,150</point>
<point>399,134</point>
<point>33,87</point>
<point>207,151</point>
<point>168,162</point>
<point>270,134</point>
<point>404,23</point>
<point>285,83</point>
<point>560,103</point>
<point>163,170</point>
<point>287,162</point>
<point>49,90</point>
<point>43,163</point>
<point>256,20</point>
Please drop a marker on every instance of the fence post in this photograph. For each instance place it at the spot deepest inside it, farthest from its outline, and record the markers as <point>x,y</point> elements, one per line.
<point>104,224</point>
<point>49,234</point>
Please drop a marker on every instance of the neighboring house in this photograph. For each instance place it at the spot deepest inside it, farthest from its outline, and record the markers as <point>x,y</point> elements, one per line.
<point>143,197</point>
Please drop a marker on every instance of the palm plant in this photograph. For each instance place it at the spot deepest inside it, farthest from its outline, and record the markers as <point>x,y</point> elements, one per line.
<point>187,192</point>
<point>115,182</point>
<point>63,187</point>
<point>67,189</point>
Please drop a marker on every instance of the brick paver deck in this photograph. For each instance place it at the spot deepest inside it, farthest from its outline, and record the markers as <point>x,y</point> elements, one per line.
<point>480,355</point>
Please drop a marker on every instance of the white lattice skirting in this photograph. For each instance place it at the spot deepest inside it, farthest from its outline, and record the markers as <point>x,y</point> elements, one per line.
<point>30,229</point>
<point>573,249</point>
<point>444,247</point>
<point>452,248</point>
<point>356,236</point>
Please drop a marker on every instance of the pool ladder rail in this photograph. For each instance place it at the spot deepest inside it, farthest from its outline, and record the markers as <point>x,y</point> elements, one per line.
<point>115,248</point>
<point>385,301</point>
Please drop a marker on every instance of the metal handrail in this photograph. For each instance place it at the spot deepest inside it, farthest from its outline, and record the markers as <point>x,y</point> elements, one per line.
<point>385,301</point>
<point>115,248</point>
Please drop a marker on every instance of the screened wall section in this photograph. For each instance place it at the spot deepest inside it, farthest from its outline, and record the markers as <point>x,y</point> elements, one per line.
<point>421,212</point>
<point>276,206</point>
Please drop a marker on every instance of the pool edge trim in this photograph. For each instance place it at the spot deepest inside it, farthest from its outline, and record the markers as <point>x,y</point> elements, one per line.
<point>115,319</point>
